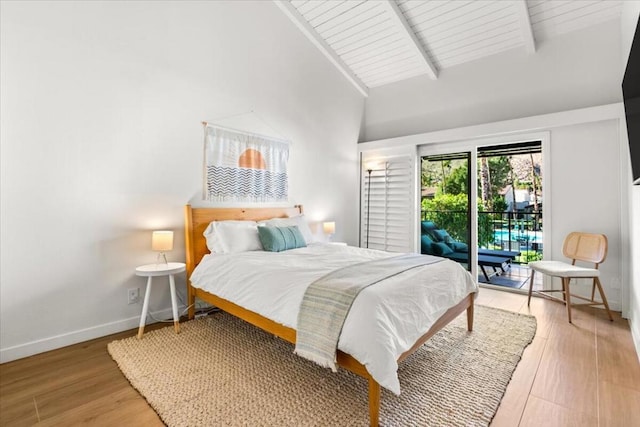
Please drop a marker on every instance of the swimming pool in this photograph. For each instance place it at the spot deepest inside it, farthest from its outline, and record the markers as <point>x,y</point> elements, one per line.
<point>502,235</point>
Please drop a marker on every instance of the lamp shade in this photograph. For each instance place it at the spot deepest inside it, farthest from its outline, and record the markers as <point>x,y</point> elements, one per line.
<point>162,241</point>
<point>329,227</point>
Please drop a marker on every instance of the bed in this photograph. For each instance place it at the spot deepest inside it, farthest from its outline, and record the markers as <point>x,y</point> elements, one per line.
<point>459,299</point>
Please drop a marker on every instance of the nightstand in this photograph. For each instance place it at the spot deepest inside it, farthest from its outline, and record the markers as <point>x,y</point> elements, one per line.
<point>154,270</point>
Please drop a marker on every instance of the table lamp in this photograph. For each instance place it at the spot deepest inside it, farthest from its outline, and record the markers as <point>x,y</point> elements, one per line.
<point>162,241</point>
<point>329,228</point>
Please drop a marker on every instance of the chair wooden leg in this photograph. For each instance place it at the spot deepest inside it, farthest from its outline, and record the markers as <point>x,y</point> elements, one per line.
<point>567,296</point>
<point>593,290</point>
<point>604,298</point>
<point>533,272</point>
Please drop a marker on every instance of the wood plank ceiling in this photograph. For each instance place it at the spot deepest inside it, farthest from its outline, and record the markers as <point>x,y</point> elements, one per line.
<point>376,42</point>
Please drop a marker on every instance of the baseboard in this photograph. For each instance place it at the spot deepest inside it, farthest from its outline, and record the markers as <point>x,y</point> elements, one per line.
<point>81,335</point>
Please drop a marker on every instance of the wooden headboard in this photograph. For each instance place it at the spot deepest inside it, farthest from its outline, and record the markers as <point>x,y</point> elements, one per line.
<point>196,221</point>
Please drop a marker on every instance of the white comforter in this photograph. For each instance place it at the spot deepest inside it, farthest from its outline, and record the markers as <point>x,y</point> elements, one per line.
<point>385,320</point>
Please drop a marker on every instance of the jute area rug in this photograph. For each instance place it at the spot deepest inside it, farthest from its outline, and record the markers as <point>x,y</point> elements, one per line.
<point>222,371</point>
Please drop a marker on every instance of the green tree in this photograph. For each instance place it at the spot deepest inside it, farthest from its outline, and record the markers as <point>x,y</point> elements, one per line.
<point>485,182</point>
<point>457,182</point>
<point>431,176</point>
<point>445,165</point>
<point>499,167</point>
<point>499,204</point>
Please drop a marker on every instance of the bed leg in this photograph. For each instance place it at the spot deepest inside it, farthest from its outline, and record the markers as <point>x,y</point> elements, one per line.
<point>374,402</point>
<point>470,315</point>
<point>191,302</point>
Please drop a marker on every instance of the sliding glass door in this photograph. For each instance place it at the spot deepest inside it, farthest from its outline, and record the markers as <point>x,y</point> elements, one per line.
<point>493,227</point>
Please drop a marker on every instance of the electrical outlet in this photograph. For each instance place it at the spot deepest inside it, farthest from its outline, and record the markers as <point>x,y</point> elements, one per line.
<point>133,295</point>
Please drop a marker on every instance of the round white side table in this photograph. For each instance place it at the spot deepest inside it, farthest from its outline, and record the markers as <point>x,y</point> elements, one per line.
<point>154,270</point>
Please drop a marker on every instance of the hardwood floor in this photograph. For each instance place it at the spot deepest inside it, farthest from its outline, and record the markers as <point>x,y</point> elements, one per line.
<point>585,374</point>
<point>581,374</point>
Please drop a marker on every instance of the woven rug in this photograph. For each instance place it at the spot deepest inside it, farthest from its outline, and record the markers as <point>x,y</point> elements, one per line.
<point>222,371</point>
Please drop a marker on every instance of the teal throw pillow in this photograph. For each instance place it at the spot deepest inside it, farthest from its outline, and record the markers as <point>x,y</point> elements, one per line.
<point>278,239</point>
<point>441,235</point>
<point>458,246</point>
<point>427,226</point>
<point>425,245</point>
<point>441,249</point>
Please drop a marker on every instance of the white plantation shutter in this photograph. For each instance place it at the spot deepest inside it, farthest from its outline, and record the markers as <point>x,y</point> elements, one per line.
<point>388,205</point>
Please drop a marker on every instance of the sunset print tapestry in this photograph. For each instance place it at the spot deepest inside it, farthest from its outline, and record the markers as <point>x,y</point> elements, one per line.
<point>244,167</point>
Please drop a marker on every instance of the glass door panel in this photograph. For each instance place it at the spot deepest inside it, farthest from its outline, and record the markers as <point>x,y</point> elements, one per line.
<point>445,217</point>
<point>509,211</point>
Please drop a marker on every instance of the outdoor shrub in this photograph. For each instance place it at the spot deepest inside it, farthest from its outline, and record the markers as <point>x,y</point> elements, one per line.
<point>449,212</point>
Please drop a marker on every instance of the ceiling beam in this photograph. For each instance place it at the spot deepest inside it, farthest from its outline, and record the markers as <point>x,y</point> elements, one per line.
<point>525,25</point>
<point>405,29</point>
<point>303,25</point>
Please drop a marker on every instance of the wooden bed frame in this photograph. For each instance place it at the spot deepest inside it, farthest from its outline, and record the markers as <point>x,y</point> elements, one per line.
<point>197,220</point>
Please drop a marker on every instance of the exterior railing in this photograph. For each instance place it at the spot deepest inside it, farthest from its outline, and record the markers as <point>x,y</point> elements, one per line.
<point>516,231</point>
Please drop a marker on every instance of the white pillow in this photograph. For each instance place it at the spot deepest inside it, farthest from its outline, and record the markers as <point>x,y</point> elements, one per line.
<point>298,220</point>
<point>225,237</point>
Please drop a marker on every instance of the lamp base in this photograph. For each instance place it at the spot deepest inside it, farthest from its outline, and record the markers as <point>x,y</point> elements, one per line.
<point>161,259</point>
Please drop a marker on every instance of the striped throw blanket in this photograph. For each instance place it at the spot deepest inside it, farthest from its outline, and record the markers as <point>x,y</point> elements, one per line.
<point>327,301</point>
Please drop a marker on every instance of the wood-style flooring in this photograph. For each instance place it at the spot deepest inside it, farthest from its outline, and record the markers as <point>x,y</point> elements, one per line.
<point>585,374</point>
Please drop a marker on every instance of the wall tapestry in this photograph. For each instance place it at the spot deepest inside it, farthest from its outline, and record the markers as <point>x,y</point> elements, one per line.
<point>244,167</point>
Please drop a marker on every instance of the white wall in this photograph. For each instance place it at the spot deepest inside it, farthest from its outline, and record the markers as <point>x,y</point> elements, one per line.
<point>629,21</point>
<point>101,142</point>
<point>586,196</point>
<point>575,70</point>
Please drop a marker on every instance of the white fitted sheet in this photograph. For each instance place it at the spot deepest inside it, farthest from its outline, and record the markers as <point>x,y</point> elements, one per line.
<point>385,319</point>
